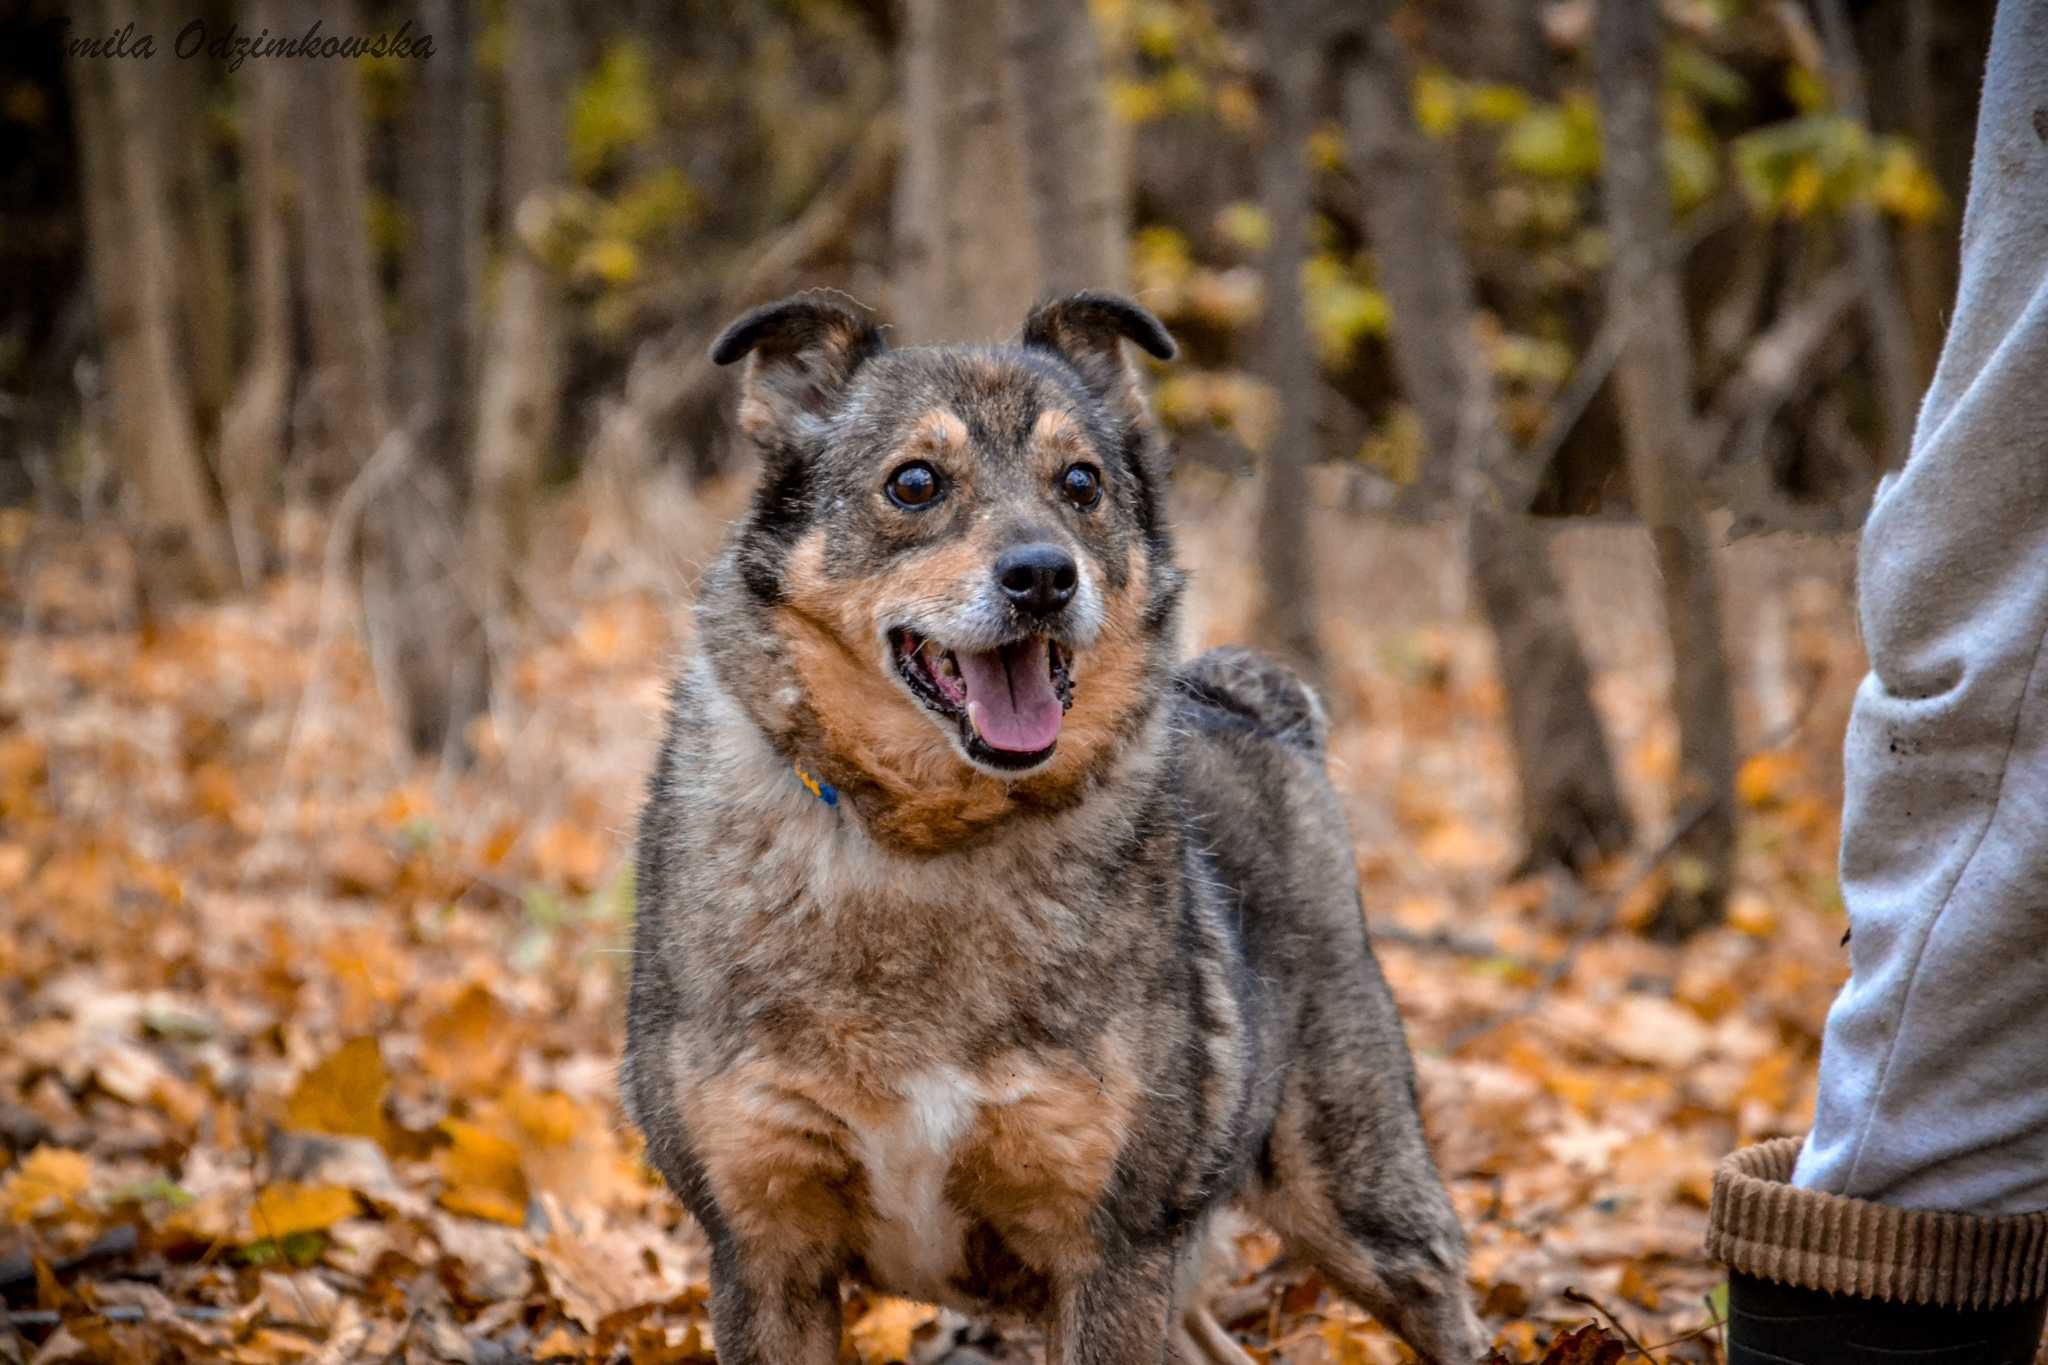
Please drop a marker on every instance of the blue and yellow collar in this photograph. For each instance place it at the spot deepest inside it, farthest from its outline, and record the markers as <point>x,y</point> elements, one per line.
<point>823,790</point>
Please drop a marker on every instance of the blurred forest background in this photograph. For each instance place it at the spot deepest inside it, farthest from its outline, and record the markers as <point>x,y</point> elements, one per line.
<point>358,450</point>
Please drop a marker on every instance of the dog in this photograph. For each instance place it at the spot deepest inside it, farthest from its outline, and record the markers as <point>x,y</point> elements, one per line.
<point>985,952</point>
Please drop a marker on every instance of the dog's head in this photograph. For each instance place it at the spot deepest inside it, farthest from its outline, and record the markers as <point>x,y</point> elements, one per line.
<point>959,554</point>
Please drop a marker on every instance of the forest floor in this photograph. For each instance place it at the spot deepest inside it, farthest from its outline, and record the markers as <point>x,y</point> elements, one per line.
<point>310,1051</point>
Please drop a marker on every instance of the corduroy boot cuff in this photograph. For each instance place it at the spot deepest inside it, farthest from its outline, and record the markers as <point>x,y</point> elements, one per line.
<point>1760,1225</point>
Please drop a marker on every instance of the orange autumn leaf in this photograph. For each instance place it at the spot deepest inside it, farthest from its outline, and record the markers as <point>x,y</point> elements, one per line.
<point>469,1043</point>
<point>571,854</point>
<point>481,1174</point>
<point>884,1333</point>
<point>344,1095</point>
<point>286,1208</point>
<point>1767,779</point>
<point>49,1180</point>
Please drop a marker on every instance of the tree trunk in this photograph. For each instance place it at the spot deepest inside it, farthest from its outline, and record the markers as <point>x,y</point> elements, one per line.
<point>424,642</point>
<point>1287,616</point>
<point>1656,408</point>
<point>419,593</point>
<point>1074,151</point>
<point>197,220</point>
<point>1571,806</point>
<point>351,354</point>
<point>523,363</point>
<point>967,267</point>
<point>253,429</point>
<point>1923,249</point>
<point>1898,376</point>
<point>181,545</point>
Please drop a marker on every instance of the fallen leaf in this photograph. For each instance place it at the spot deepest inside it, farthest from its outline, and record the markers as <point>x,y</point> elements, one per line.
<point>481,1174</point>
<point>48,1181</point>
<point>470,1042</point>
<point>343,1095</point>
<point>884,1333</point>
<point>286,1207</point>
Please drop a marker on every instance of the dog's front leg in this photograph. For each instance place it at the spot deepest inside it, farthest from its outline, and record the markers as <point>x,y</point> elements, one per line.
<point>1118,1313</point>
<point>762,1317</point>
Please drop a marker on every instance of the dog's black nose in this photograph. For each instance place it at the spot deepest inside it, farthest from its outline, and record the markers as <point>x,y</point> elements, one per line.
<point>1038,578</point>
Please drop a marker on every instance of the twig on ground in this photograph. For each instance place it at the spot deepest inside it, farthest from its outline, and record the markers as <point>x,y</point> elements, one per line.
<point>1575,1296</point>
<point>1435,940</point>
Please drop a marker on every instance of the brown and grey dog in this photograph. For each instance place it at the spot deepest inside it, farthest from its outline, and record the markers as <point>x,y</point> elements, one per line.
<point>986,951</point>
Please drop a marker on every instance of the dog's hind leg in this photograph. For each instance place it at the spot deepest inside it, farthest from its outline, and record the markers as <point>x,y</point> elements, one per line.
<point>1201,1340</point>
<point>1365,1207</point>
<point>1198,1339</point>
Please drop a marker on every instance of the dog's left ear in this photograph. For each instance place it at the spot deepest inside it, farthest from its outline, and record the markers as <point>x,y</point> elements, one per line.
<point>803,353</point>
<point>1088,330</point>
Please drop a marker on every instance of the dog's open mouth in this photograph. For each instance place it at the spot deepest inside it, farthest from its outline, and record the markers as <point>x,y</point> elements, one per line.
<point>1008,701</point>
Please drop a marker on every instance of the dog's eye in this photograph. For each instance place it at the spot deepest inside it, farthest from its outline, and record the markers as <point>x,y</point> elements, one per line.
<point>1082,485</point>
<point>914,485</point>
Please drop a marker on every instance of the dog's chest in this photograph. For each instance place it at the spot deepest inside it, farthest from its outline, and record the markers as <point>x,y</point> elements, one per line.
<point>908,1152</point>
<point>954,1184</point>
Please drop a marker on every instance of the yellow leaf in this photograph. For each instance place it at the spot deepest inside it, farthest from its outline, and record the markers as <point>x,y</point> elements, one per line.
<point>47,1181</point>
<point>287,1207</point>
<point>481,1174</point>
<point>1436,103</point>
<point>609,261</point>
<point>885,1332</point>
<point>344,1095</point>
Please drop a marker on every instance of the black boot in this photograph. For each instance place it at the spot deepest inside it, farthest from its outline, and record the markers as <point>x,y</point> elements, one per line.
<point>1819,1279</point>
<point>1777,1324</point>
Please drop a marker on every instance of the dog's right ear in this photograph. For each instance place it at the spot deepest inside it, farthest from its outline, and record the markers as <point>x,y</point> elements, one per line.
<point>1088,330</point>
<point>801,354</point>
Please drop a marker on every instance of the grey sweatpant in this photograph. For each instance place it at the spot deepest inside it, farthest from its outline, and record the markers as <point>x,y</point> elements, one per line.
<point>1934,1068</point>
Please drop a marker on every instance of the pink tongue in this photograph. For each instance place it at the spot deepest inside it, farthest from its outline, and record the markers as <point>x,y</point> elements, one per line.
<point>1010,698</point>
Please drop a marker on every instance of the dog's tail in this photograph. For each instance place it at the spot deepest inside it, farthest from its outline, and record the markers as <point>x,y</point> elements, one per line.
<point>1240,689</point>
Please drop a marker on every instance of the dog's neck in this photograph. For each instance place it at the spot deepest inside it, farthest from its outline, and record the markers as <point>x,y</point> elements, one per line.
<point>778,780</point>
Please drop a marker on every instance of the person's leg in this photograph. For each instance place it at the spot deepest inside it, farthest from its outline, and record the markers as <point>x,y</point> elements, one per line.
<point>1930,1145</point>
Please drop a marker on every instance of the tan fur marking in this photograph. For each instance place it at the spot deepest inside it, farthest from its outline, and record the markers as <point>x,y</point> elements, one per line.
<point>925,796</point>
<point>939,432</point>
<point>929,798</point>
<point>1037,1166</point>
<point>779,1165</point>
<point>1056,440</point>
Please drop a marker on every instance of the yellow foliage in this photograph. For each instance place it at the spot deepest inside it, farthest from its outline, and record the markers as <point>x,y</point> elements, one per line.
<point>1244,225</point>
<point>609,261</point>
<point>611,111</point>
<point>1326,150</point>
<point>1436,103</point>
<point>1135,101</point>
